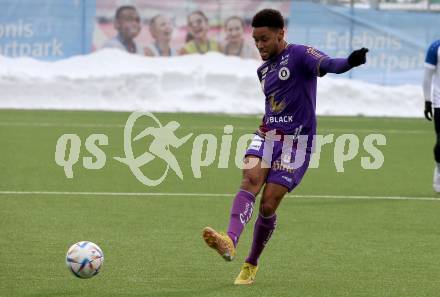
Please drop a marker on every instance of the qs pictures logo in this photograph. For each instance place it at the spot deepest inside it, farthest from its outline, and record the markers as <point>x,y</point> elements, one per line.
<point>150,150</point>
<point>160,148</point>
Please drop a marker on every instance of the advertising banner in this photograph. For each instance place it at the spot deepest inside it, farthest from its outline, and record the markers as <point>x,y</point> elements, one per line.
<point>173,27</point>
<point>46,29</point>
<point>397,39</point>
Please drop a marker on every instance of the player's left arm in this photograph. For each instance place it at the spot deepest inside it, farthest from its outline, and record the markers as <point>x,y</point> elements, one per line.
<point>341,65</point>
<point>317,63</point>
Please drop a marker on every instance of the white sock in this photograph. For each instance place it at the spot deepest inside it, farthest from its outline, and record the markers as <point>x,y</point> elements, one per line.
<point>438,166</point>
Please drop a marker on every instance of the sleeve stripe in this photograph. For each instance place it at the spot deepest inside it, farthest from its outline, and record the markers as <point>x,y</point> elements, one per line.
<point>319,66</point>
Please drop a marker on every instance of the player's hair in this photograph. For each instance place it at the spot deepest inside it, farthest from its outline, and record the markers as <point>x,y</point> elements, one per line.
<point>234,17</point>
<point>122,8</point>
<point>268,18</point>
<point>200,13</point>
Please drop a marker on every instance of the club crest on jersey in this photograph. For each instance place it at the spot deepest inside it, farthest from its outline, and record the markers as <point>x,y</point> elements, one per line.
<point>284,73</point>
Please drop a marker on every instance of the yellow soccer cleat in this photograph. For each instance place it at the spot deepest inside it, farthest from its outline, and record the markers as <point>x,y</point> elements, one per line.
<point>220,242</point>
<point>246,275</point>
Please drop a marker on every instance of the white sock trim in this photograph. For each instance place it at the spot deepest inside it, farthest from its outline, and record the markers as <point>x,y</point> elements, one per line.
<point>269,217</point>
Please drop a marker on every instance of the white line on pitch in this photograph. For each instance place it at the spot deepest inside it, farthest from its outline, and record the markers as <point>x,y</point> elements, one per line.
<point>250,129</point>
<point>112,193</point>
<point>60,125</point>
<point>146,194</point>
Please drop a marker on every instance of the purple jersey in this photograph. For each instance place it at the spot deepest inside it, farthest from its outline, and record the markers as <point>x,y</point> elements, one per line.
<point>289,84</point>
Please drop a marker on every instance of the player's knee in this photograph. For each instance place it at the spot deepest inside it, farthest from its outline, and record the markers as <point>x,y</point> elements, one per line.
<point>267,209</point>
<point>251,183</point>
<point>270,201</point>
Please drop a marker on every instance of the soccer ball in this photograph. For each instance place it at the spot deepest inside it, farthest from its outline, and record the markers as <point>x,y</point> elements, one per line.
<point>84,259</point>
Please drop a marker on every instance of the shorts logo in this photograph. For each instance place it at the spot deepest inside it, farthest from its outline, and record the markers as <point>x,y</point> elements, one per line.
<point>288,179</point>
<point>284,73</point>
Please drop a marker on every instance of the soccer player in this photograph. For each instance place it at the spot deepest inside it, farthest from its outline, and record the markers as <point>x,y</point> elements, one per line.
<point>431,85</point>
<point>288,78</point>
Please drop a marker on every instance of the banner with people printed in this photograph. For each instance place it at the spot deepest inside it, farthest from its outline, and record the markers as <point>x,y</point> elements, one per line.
<point>58,29</point>
<point>178,27</point>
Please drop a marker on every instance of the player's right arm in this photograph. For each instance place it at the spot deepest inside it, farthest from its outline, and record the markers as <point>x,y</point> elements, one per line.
<point>430,67</point>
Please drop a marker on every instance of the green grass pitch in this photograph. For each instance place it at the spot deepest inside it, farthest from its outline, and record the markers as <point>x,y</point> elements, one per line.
<point>328,243</point>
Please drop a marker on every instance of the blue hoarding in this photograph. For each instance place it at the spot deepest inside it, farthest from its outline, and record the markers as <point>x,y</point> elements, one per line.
<point>397,39</point>
<point>46,29</point>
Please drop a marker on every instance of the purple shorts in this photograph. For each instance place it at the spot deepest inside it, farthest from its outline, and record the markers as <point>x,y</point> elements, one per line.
<point>288,164</point>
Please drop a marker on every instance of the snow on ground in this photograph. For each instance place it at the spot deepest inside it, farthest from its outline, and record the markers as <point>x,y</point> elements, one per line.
<point>114,80</point>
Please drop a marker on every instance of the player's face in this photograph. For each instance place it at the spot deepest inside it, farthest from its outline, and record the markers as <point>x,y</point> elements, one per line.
<point>163,29</point>
<point>268,41</point>
<point>128,24</point>
<point>198,26</point>
<point>234,30</point>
